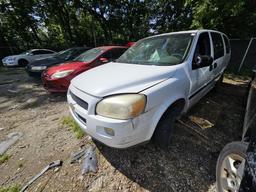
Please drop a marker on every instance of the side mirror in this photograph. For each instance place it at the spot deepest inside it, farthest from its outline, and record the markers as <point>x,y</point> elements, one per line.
<point>69,57</point>
<point>202,61</point>
<point>103,60</point>
<point>30,54</point>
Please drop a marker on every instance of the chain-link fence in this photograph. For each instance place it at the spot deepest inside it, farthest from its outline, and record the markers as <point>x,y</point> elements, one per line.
<point>243,56</point>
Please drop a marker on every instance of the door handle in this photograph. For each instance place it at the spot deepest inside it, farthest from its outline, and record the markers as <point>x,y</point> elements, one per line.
<point>215,65</point>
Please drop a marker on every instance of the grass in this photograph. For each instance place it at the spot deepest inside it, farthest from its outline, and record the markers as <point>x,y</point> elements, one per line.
<point>13,188</point>
<point>74,126</point>
<point>4,158</point>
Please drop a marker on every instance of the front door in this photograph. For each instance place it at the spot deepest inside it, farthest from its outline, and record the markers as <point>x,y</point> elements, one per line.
<point>200,77</point>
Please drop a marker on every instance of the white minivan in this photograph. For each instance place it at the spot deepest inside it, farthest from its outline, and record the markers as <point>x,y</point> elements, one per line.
<point>138,97</point>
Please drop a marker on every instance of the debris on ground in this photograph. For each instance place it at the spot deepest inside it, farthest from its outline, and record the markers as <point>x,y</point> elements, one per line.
<point>90,163</point>
<point>13,91</point>
<point>75,156</point>
<point>12,139</point>
<point>52,165</point>
<point>201,122</point>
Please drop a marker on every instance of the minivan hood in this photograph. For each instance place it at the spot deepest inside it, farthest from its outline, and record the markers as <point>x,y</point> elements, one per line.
<point>116,78</point>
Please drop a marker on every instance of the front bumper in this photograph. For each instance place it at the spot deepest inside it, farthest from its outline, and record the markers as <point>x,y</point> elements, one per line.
<point>127,133</point>
<point>32,73</point>
<point>55,85</point>
<point>7,63</point>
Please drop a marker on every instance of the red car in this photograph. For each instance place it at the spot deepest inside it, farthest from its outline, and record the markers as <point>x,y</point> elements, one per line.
<point>57,78</point>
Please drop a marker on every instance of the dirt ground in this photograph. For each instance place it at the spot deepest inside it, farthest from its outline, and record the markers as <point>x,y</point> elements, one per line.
<point>188,165</point>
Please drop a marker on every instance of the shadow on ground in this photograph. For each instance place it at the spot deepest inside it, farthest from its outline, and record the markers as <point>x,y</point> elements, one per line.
<point>18,90</point>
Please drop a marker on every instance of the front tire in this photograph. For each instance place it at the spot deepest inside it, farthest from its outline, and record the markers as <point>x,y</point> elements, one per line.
<point>230,166</point>
<point>23,62</point>
<point>164,129</point>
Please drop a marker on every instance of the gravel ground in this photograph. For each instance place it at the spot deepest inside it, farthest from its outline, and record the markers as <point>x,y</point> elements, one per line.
<point>188,165</point>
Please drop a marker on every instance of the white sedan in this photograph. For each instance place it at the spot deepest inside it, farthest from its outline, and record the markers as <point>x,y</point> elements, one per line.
<point>27,57</point>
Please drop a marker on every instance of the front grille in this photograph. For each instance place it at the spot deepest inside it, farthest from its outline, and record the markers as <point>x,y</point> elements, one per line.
<point>79,101</point>
<point>81,118</point>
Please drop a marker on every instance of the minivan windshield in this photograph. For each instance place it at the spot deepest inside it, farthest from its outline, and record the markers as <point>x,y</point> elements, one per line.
<point>164,50</point>
<point>89,55</point>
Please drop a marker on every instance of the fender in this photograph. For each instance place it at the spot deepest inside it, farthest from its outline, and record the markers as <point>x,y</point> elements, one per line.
<point>168,92</point>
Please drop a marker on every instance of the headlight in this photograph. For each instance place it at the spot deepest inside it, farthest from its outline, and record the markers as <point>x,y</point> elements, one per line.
<point>11,59</point>
<point>122,106</point>
<point>61,74</point>
<point>38,68</point>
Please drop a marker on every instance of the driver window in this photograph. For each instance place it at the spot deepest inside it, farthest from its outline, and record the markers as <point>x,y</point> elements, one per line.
<point>203,46</point>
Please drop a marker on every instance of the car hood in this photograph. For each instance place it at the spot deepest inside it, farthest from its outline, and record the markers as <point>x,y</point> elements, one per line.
<point>49,61</point>
<point>66,66</point>
<point>116,78</point>
<point>10,56</point>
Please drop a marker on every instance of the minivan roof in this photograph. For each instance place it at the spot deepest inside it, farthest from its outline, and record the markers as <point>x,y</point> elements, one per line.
<point>189,31</point>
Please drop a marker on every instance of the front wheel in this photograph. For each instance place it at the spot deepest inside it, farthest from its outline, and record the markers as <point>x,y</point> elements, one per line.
<point>22,62</point>
<point>164,129</point>
<point>230,167</point>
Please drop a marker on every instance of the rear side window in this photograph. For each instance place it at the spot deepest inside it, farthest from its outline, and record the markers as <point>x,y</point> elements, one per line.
<point>218,46</point>
<point>227,44</point>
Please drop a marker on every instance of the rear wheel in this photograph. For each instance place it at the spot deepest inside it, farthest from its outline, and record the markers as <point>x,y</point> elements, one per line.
<point>230,167</point>
<point>23,62</point>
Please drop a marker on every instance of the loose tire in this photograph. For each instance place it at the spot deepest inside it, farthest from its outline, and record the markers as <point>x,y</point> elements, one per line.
<point>231,158</point>
<point>164,129</point>
<point>23,62</point>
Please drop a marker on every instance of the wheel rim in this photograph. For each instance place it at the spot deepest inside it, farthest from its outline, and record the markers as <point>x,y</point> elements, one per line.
<point>232,172</point>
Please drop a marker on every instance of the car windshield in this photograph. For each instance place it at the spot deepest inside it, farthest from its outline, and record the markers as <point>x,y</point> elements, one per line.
<point>164,50</point>
<point>89,55</point>
<point>64,54</point>
<point>26,52</point>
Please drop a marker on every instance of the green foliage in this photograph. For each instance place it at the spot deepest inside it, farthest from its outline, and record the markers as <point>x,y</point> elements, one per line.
<point>13,188</point>
<point>60,24</point>
<point>4,158</point>
<point>69,121</point>
<point>235,18</point>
